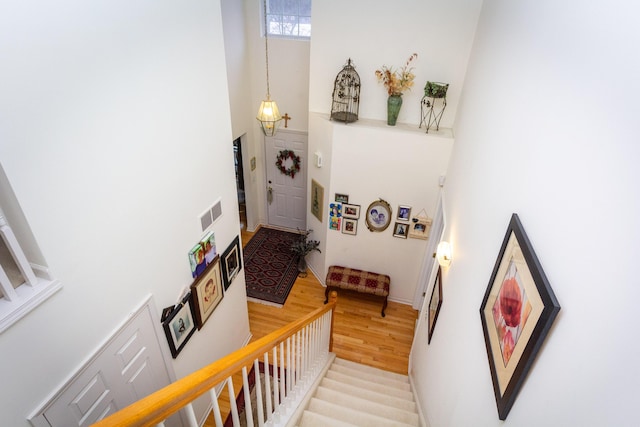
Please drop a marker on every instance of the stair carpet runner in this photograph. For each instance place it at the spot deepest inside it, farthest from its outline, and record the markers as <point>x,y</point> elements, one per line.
<point>352,394</point>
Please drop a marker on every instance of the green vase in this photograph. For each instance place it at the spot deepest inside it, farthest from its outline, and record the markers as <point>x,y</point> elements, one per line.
<point>394,102</point>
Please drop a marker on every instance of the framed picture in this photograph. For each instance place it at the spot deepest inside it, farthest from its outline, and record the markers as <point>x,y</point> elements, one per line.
<point>419,227</point>
<point>378,216</point>
<point>207,292</point>
<point>404,213</point>
<point>517,312</point>
<point>335,209</point>
<point>179,326</point>
<point>349,226</point>
<point>334,223</point>
<point>208,243</point>
<point>434,304</point>
<point>231,262</point>
<point>350,211</point>
<point>197,260</point>
<point>401,230</point>
<point>342,198</point>
<point>317,199</point>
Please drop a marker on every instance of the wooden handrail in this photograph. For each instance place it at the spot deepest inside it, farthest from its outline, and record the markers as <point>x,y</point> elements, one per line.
<point>163,403</point>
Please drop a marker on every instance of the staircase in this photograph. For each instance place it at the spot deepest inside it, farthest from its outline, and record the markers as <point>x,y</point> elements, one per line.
<point>351,394</point>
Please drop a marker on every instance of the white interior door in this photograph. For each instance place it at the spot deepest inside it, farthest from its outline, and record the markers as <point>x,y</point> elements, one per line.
<point>286,196</point>
<point>435,235</point>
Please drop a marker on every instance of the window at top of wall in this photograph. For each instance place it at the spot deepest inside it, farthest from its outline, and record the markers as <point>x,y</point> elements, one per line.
<point>289,18</point>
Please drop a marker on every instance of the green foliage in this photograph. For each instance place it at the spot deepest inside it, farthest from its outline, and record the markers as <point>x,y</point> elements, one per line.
<point>303,245</point>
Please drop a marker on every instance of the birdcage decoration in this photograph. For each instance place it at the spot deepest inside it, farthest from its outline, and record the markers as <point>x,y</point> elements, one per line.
<point>346,95</point>
<point>433,104</point>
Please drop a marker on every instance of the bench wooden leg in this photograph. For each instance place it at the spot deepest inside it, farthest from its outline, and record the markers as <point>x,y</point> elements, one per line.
<point>326,294</point>
<point>384,306</point>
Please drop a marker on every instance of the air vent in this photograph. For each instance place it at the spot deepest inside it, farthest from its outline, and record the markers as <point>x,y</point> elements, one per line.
<point>216,210</point>
<point>211,215</point>
<point>205,220</point>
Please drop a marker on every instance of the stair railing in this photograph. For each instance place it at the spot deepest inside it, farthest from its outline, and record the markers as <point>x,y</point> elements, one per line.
<point>294,355</point>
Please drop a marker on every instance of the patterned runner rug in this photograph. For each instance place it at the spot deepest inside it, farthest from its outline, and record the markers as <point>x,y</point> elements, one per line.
<point>270,266</point>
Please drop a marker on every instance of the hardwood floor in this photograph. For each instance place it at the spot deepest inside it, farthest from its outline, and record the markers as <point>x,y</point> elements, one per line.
<point>360,333</point>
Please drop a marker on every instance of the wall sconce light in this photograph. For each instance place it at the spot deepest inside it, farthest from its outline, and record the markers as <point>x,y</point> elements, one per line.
<point>443,254</point>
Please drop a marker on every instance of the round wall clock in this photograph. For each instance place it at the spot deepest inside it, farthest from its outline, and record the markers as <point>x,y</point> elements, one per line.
<point>378,215</point>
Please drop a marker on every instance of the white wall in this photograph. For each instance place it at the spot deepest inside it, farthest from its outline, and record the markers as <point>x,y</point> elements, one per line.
<point>289,87</point>
<point>115,136</point>
<point>374,33</point>
<point>552,138</point>
<point>369,160</point>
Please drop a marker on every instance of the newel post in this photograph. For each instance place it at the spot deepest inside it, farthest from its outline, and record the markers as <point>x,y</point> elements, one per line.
<point>333,299</point>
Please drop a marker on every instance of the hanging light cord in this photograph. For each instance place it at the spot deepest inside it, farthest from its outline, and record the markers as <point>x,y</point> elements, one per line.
<point>266,47</point>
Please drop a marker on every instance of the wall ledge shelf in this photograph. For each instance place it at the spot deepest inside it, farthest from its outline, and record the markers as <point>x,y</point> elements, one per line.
<point>382,125</point>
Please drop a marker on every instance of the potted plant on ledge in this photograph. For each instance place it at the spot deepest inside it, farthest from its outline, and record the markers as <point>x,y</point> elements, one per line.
<point>301,247</point>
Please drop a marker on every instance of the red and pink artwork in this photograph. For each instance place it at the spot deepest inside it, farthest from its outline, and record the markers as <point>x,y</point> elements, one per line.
<point>510,311</point>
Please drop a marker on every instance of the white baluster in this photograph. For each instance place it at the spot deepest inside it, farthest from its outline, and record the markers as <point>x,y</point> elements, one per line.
<point>16,251</point>
<point>288,376</point>
<point>232,403</point>
<point>267,386</point>
<point>258,389</point>
<point>191,415</point>
<point>282,375</point>
<point>215,407</point>
<point>248,411</point>
<point>276,393</point>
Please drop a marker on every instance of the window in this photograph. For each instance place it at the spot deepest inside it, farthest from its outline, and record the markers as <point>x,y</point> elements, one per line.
<point>289,18</point>
<point>25,282</point>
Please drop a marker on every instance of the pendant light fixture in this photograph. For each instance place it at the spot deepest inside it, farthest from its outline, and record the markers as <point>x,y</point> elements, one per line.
<point>268,114</point>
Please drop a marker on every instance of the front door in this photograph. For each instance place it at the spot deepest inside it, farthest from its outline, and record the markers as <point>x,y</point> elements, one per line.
<point>286,194</point>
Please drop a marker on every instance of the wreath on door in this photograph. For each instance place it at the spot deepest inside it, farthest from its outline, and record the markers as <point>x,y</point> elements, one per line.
<point>282,158</point>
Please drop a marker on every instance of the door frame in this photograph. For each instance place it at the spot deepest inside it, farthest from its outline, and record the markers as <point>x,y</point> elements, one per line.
<point>429,262</point>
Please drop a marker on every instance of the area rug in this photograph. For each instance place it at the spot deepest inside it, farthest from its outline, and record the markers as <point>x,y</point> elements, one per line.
<point>270,266</point>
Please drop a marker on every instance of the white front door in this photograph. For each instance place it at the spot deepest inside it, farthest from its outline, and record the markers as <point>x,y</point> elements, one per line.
<point>286,195</point>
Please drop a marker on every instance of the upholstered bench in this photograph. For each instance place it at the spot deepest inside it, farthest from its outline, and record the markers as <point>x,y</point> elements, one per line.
<point>364,282</point>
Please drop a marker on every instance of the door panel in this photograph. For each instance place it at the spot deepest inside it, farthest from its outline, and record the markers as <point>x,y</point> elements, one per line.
<point>289,195</point>
<point>129,367</point>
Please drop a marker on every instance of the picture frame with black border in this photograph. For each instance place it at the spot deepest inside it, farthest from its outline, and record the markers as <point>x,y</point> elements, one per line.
<point>434,304</point>
<point>180,326</point>
<point>231,262</point>
<point>342,198</point>
<point>517,312</point>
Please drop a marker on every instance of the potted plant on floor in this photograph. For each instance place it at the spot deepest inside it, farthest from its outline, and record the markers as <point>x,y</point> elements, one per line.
<point>301,247</point>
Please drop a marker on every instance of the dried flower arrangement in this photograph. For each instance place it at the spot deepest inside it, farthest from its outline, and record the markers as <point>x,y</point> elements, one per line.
<point>396,82</point>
